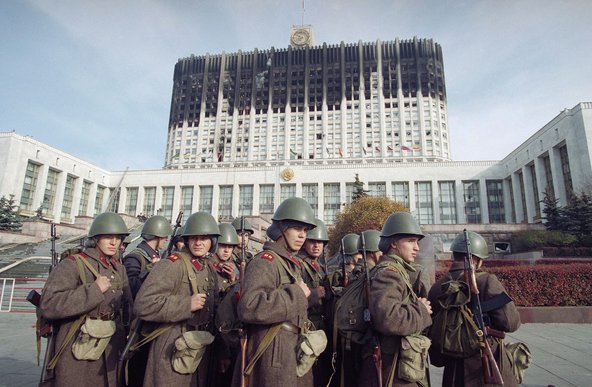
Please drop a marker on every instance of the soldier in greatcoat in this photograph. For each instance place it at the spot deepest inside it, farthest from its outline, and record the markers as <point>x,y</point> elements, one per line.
<point>314,275</point>
<point>166,296</point>
<point>155,234</point>
<point>244,230</point>
<point>66,297</point>
<point>273,293</point>
<point>504,317</point>
<point>395,310</point>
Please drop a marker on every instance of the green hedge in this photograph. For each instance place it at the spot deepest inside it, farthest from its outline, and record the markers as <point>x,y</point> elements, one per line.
<point>547,282</point>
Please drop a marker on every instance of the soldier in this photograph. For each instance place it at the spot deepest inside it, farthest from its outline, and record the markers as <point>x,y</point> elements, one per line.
<point>346,260</point>
<point>395,310</point>
<point>371,239</point>
<point>505,317</point>
<point>177,240</point>
<point>222,261</point>
<point>314,276</point>
<point>274,296</point>
<point>167,297</point>
<point>244,232</point>
<point>139,262</point>
<point>89,288</point>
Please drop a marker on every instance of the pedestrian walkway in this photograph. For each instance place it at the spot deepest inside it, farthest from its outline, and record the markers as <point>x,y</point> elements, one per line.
<point>562,353</point>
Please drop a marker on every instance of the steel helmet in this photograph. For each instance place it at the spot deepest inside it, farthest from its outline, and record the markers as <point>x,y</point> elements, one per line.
<point>228,235</point>
<point>319,233</point>
<point>350,244</point>
<point>108,223</point>
<point>202,223</point>
<point>371,239</point>
<point>401,223</point>
<point>478,245</point>
<point>236,223</point>
<point>156,226</point>
<point>296,210</point>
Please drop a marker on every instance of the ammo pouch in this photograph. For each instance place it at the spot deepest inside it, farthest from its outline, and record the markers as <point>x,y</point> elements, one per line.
<point>413,358</point>
<point>189,349</point>
<point>93,338</point>
<point>520,358</point>
<point>310,346</point>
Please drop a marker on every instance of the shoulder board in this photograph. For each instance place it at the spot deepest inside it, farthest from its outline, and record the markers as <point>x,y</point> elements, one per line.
<point>267,256</point>
<point>79,254</point>
<point>173,257</point>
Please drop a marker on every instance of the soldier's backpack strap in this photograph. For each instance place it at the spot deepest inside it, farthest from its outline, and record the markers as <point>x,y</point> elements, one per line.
<point>263,345</point>
<point>190,273</point>
<point>80,263</point>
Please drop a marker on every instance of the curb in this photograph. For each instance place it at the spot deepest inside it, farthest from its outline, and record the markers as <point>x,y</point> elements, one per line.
<point>556,314</point>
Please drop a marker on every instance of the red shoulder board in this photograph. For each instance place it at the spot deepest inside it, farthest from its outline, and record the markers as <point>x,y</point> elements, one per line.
<point>267,256</point>
<point>73,256</point>
<point>173,257</point>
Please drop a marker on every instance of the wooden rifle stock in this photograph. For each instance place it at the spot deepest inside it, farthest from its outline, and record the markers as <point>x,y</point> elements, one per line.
<point>244,381</point>
<point>491,372</point>
<point>376,352</point>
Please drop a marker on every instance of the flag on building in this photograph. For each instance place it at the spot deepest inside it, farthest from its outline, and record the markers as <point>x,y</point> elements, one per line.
<point>406,148</point>
<point>340,152</point>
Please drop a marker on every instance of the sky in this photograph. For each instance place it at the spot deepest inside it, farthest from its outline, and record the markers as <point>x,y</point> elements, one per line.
<point>94,78</point>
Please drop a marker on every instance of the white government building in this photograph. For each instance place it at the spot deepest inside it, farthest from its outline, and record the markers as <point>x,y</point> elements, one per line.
<point>247,130</point>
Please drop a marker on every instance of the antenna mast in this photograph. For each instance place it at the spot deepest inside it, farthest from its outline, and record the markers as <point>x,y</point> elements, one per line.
<point>303,9</point>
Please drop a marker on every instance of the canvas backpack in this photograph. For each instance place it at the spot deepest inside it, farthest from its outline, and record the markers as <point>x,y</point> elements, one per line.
<point>351,316</point>
<point>454,331</point>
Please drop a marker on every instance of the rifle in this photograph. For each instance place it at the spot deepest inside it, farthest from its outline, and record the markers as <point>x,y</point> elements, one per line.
<point>242,333</point>
<point>344,281</point>
<point>491,372</point>
<point>376,352</point>
<point>45,328</point>
<point>170,246</point>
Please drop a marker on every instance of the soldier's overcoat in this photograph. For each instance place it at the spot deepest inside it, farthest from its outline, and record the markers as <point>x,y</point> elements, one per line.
<point>270,296</point>
<point>165,297</point>
<point>395,313</point>
<point>468,372</point>
<point>65,297</point>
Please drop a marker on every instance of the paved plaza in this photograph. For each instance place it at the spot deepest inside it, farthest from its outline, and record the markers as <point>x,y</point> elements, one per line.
<point>562,353</point>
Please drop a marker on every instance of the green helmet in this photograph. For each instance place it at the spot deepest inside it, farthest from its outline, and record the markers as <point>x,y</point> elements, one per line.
<point>319,233</point>
<point>350,244</point>
<point>108,223</point>
<point>401,223</point>
<point>236,223</point>
<point>156,226</point>
<point>478,245</point>
<point>296,210</point>
<point>228,235</point>
<point>202,223</point>
<point>371,239</point>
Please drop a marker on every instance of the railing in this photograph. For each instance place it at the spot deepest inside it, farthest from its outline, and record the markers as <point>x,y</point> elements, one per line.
<point>13,297</point>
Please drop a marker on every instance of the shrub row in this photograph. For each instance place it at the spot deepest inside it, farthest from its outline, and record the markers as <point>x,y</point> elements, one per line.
<point>546,283</point>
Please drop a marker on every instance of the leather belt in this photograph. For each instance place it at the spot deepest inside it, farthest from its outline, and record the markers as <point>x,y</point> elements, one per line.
<point>287,326</point>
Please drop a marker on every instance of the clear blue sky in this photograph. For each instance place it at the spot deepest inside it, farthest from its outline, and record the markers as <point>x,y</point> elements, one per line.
<point>94,78</point>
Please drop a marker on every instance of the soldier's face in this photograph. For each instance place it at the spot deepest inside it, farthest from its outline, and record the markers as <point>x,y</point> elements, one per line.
<point>406,248</point>
<point>313,248</point>
<point>108,245</point>
<point>295,237</point>
<point>224,252</point>
<point>162,243</point>
<point>199,245</point>
<point>244,238</point>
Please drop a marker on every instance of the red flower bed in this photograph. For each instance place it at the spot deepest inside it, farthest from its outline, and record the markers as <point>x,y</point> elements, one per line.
<point>548,282</point>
